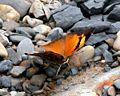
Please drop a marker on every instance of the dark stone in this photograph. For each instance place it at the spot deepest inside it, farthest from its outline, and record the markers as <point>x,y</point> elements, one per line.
<point>59,82</point>
<point>50,71</point>
<point>27,31</point>
<point>114,28</point>
<point>54,34</point>
<point>115,64</point>
<point>5,81</point>
<point>74,71</point>
<point>5,65</point>
<point>13,56</point>
<point>109,5</point>
<point>115,13</point>
<point>65,18</point>
<point>98,26</point>
<point>93,7</point>
<point>107,68</point>
<point>107,55</point>
<point>117,83</point>
<point>25,46</point>
<point>21,6</point>
<point>96,38</point>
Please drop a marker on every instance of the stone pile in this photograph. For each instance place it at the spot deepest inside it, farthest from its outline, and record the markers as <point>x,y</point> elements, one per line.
<point>25,25</point>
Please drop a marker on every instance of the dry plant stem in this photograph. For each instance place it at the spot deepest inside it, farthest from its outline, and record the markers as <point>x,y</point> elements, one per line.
<point>58,70</point>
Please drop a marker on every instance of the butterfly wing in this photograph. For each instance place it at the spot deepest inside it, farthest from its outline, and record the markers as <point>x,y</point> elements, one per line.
<point>56,46</point>
<point>71,42</point>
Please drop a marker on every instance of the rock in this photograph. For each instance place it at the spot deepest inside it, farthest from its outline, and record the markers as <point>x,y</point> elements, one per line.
<point>31,71</point>
<point>21,6</point>
<point>107,55</point>
<point>8,13</point>
<point>116,44</point>
<point>110,41</point>
<point>117,83</point>
<point>43,29</point>
<point>21,94</point>
<point>26,31</point>
<point>5,81</point>
<point>32,22</point>
<point>111,91</point>
<point>10,25</point>
<point>93,7</point>
<point>26,63</point>
<point>13,93</point>
<point>17,37</point>
<point>37,9</point>
<point>17,70</point>
<point>34,84</point>
<point>46,11</point>
<point>50,71</point>
<point>54,34</point>
<point>114,14</point>
<point>16,81</point>
<point>83,53</point>
<point>109,5</point>
<point>97,17</point>
<point>54,5</point>
<point>5,65</point>
<point>97,58</point>
<point>13,56</point>
<point>3,92</point>
<point>74,71</point>
<point>68,12</point>
<point>114,28</point>
<point>96,38</point>
<point>115,64</point>
<point>39,36</point>
<point>98,26</point>
<point>3,51</point>
<point>4,40</point>
<point>25,46</point>
<point>1,23</point>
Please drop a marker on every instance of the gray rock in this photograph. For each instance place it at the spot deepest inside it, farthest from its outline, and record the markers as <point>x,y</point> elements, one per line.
<point>98,52</point>
<point>96,38</point>
<point>17,37</point>
<point>17,70</point>
<point>71,15</point>
<point>115,13</point>
<point>94,6</point>
<point>117,83</point>
<point>54,34</point>
<point>27,31</point>
<point>97,25</point>
<point>10,25</point>
<point>114,28</point>
<point>5,81</point>
<point>50,71</point>
<point>4,40</point>
<point>109,5</point>
<point>74,71</point>
<point>21,6</point>
<point>13,56</point>
<point>5,65</point>
<point>1,23</point>
<point>97,17</point>
<point>25,46</point>
<point>3,92</point>
<point>107,55</point>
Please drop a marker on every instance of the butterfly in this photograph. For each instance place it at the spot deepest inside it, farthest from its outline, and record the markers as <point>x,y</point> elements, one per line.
<point>59,50</point>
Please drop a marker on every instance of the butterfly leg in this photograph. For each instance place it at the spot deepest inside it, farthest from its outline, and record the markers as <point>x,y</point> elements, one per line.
<point>58,70</point>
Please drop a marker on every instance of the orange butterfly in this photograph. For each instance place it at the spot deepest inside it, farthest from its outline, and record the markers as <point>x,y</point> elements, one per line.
<point>62,48</point>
